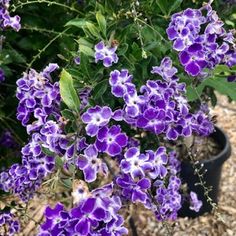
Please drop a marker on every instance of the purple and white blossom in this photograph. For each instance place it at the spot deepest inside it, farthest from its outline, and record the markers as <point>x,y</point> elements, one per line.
<point>91,164</point>
<point>7,21</point>
<point>9,223</point>
<point>195,203</point>
<point>96,117</point>
<point>120,82</point>
<point>111,140</point>
<point>106,54</point>
<point>135,164</point>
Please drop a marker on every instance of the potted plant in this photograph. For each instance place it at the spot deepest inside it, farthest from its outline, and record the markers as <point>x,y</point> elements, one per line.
<point>114,121</point>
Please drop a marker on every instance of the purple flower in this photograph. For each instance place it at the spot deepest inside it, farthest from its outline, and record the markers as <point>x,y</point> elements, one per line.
<point>90,164</point>
<point>159,161</point>
<point>96,117</point>
<point>77,60</point>
<point>165,70</point>
<point>111,140</point>
<point>2,75</point>
<point>105,54</point>
<point>9,223</point>
<point>56,219</point>
<point>136,191</point>
<point>195,204</point>
<point>168,199</point>
<point>6,20</point>
<point>120,82</point>
<point>84,95</point>
<point>135,164</point>
<point>193,59</point>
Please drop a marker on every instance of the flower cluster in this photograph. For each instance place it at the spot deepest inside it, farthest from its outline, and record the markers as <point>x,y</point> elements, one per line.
<point>5,19</point>
<point>161,107</point>
<point>8,222</point>
<point>141,173</point>
<point>95,214</point>
<point>37,96</point>
<point>201,40</point>
<point>106,54</point>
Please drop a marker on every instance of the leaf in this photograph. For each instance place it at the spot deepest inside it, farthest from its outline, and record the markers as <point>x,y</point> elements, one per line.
<point>222,86</point>
<point>68,92</point>
<point>162,5</point>
<point>221,68</point>
<point>68,114</point>
<point>93,29</point>
<point>80,23</point>
<point>174,4</point>
<point>86,50</point>
<point>102,23</point>
<point>194,93</point>
<point>100,89</point>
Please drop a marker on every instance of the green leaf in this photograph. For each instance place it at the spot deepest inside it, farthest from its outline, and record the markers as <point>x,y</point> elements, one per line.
<point>174,4</point>
<point>162,5</point>
<point>221,68</point>
<point>47,151</point>
<point>86,50</point>
<point>68,114</point>
<point>222,86</point>
<point>193,93</point>
<point>93,29</point>
<point>80,23</point>
<point>100,89</point>
<point>102,23</point>
<point>68,92</point>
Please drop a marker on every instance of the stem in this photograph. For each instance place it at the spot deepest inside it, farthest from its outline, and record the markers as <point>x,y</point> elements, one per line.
<point>42,30</point>
<point>44,48</point>
<point>133,226</point>
<point>49,3</point>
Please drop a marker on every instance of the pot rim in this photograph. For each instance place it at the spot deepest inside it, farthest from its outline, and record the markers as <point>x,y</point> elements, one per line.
<point>223,155</point>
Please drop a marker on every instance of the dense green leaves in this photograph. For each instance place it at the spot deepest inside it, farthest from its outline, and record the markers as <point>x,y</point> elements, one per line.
<point>68,92</point>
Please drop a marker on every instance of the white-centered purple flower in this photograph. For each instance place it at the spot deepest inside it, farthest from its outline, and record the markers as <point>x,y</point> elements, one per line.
<point>111,140</point>
<point>165,70</point>
<point>106,54</point>
<point>91,164</point>
<point>77,60</point>
<point>136,191</point>
<point>7,21</point>
<point>135,164</point>
<point>195,203</point>
<point>120,82</point>
<point>8,224</point>
<point>96,117</point>
<point>158,162</point>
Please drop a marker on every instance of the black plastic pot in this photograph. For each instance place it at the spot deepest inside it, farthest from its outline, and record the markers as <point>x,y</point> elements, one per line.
<point>211,177</point>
